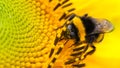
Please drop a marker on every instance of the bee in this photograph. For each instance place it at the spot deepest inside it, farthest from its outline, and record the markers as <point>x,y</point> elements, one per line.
<point>83,29</point>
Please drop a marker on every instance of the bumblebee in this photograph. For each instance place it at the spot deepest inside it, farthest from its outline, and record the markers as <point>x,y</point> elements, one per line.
<point>83,29</point>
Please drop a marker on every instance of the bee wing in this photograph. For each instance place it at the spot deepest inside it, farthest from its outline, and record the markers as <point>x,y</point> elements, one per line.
<point>102,25</point>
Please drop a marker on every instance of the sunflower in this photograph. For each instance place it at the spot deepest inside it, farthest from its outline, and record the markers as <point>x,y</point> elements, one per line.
<point>27,32</point>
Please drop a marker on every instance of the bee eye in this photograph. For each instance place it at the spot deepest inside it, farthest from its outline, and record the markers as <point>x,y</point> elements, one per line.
<point>69,27</point>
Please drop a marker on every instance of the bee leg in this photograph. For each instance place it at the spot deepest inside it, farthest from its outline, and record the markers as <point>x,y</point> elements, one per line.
<point>79,65</point>
<point>76,54</point>
<point>82,52</point>
<point>90,40</point>
<point>86,47</point>
<point>90,52</point>
<point>70,61</point>
<point>63,36</point>
<point>79,48</point>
